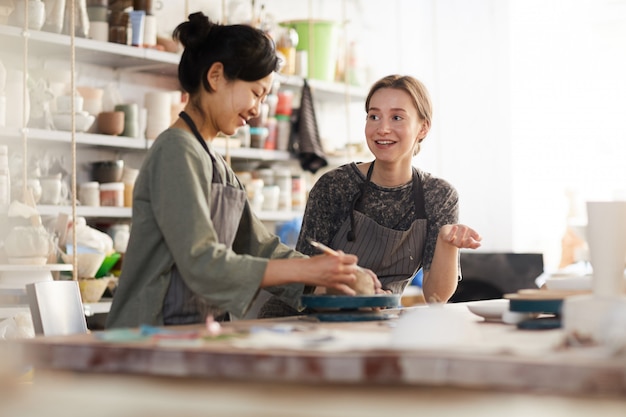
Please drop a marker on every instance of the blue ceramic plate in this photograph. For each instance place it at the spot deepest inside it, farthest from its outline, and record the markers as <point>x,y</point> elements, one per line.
<point>350,302</point>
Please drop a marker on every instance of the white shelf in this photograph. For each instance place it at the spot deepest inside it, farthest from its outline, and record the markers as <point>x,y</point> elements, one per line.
<point>326,90</point>
<point>120,142</point>
<point>36,268</point>
<point>256,154</point>
<point>118,56</point>
<point>17,276</point>
<point>129,58</point>
<point>87,211</point>
<point>101,307</point>
<point>126,213</point>
<point>41,136</point>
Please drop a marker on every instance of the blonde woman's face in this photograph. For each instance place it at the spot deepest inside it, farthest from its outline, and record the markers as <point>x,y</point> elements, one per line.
<point>393,126</point>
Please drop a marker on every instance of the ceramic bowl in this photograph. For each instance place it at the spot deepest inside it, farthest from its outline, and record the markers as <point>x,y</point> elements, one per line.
<point>64,104</point>
<point>63,121</point>
<point>88,263</point>
<point>91,289</point>
<point>111,122</point>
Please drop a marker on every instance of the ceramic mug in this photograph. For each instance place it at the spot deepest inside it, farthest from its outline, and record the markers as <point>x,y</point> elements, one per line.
<point>99,31</point>
<point>53,190</point>
<point>64,104</point>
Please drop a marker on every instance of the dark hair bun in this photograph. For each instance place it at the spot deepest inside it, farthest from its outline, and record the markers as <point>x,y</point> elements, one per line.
<point>194,31</point>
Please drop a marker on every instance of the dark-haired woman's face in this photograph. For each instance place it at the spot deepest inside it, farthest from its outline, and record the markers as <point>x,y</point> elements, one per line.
<point>242,102</point>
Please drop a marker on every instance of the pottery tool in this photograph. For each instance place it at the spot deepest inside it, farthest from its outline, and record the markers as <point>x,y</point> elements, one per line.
<point>323,248</point>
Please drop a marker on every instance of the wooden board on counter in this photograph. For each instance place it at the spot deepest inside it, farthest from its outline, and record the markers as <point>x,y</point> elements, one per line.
<point>498,357</point>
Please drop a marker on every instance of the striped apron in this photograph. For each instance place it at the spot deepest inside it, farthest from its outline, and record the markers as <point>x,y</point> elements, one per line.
<point>394,255</point>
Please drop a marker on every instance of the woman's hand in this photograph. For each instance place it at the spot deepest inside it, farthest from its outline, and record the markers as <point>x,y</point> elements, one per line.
<point>460,235</point>
<point>335,271</point>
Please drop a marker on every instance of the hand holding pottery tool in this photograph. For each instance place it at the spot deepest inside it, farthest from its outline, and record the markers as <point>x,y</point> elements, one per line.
<point>366,280</point>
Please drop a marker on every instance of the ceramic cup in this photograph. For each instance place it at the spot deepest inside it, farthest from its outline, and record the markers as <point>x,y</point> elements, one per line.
<point>131,119</point>
<point>92,99</point>
<point>64,104</point>
<point>99,31</point>
<point>53,191</point>
<point>111,122</point>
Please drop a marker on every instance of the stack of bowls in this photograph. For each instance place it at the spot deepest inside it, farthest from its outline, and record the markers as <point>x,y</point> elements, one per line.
<point>63,116</point>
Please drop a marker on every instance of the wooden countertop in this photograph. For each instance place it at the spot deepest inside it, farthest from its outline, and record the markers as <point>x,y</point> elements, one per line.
<point>493,356</point>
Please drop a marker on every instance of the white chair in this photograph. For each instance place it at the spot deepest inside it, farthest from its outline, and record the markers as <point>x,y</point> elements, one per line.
<point>56,308</point>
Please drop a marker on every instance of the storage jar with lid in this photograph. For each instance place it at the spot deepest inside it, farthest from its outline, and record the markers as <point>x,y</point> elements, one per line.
<point>89,194</point>
<point>112,194</point>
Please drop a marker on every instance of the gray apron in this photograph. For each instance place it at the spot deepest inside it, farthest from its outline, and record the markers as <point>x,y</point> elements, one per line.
<point>181,305</point>
<point>394,255</point>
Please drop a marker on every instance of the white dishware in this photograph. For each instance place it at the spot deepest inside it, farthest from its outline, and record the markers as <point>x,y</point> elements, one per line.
<point>36,13</point>
<point>490,310</point>
<point>570,282</point>
<point>606,237</point>
<point>64,104</point>
<point>55,10</point>
<point>99,31</point>
<point>150,31</point>
<point>53,190</point>
<point>83,121</point>
<point>89,194</point>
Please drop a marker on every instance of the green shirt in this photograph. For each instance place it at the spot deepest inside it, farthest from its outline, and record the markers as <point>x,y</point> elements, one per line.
<point>171,224</point>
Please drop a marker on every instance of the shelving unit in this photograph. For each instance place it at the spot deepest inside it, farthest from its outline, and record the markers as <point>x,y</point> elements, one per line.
<point>125,59</point>
<point>132,59</point>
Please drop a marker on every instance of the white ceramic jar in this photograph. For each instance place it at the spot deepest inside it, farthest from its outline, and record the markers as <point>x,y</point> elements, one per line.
<point>89,194</point>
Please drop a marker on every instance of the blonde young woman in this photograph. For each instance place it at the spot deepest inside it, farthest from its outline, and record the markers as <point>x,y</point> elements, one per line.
<point>395,217</point>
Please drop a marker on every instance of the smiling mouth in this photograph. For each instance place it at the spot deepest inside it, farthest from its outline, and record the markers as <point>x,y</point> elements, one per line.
<point>384,142</point>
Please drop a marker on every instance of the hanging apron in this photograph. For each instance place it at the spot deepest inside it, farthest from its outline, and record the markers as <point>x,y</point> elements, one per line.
<point>181,305</point>
<point>394,255</point>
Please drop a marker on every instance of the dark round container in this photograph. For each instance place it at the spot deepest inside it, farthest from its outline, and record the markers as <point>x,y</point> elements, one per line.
<point>107,171</point>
